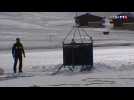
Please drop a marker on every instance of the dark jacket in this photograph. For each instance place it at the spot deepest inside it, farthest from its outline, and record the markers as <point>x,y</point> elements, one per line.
<point>18,50</point>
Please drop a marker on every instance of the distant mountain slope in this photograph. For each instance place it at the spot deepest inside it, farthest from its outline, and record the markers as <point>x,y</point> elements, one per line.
<point>41,29</point>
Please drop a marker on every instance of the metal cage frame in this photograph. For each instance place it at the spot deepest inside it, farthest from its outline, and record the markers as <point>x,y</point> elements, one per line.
<point>74,49</point>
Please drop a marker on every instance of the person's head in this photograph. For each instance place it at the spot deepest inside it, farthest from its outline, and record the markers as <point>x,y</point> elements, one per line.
<point>17,40</point>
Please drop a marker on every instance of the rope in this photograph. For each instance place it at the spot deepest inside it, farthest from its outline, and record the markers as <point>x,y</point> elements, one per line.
<point>86,34</point>
<point>80,35</point>
<point>75,30</point>
<point>74,34</point>
<point>68,35</point>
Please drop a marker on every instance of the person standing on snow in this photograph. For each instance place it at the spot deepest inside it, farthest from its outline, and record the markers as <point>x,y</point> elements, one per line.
<point>17,52</point>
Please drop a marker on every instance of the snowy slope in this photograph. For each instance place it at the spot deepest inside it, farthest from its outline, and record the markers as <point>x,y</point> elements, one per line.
<point>48,29</point>
<point>32,27</point>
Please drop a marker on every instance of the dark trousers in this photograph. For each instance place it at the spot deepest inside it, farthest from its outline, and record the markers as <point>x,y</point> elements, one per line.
<point>15,63</point>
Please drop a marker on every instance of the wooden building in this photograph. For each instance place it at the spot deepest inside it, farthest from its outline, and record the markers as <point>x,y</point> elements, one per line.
<point>89,20</point>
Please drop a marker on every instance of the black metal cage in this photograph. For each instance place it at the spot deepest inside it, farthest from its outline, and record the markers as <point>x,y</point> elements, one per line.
<point>78,53</point>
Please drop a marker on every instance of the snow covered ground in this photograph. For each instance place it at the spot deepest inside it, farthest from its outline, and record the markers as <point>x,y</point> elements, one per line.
<point>113,63</point>
<point>113,66</point>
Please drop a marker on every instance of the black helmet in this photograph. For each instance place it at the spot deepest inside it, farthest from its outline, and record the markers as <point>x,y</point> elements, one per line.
<point>17,39</point>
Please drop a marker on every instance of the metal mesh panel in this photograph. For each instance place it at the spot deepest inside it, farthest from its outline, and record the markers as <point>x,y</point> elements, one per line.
<point>78,54</point>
